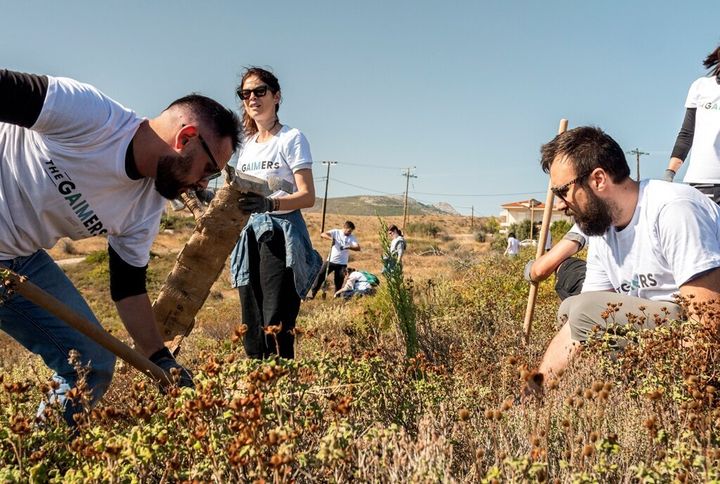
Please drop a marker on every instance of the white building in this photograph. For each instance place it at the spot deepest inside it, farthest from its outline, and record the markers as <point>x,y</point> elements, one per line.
<point>516,212</point>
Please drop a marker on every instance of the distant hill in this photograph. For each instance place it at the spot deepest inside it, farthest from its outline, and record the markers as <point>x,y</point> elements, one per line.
<point>386,206</point>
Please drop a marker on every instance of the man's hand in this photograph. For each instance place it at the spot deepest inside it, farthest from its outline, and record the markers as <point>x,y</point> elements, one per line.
<point>181,376</point>
<point>254,203</point>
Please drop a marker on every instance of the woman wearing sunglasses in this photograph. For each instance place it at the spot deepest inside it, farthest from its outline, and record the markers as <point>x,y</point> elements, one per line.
<point>701,132</point>
<point>273,264</point>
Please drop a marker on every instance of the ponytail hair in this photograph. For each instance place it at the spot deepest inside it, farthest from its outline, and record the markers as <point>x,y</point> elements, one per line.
<point>394,228</point>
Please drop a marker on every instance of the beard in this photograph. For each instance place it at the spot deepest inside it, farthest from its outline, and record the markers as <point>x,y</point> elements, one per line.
<point>596,218</point>
<point>170,180</point>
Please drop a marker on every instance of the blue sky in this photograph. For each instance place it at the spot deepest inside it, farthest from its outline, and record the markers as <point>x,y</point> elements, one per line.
<point>466,92</point>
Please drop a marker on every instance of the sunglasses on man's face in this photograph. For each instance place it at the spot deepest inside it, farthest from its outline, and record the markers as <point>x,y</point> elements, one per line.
<point>245,94</point>
<point>562,191</point>
<point>215,171</point>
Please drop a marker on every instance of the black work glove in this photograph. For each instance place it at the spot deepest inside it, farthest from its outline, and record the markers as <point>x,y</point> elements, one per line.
<point>254,203</point>
<point>178,374</point>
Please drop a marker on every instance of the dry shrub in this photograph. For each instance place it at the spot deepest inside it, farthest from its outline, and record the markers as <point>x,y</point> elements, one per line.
<point>352,407</point>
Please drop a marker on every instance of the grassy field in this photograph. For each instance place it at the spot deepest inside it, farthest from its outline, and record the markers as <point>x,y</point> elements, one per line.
<point>354,407</point>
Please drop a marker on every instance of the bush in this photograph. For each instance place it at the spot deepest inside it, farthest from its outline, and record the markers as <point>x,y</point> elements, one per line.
<point>522,230</point>
<point>479,236</point>
<point>428,229</point>
<point>499,244</point>
<point>175,222</point>
<point>559,228</point>
<point>400,295</point>
<point>354,408</point>
<point>490,225</point>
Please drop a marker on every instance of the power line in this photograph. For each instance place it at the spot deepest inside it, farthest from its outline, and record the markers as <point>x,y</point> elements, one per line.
<point>382,167</point>
<point>439,194</point>
<point>478,195</point>
<point>363,188</point>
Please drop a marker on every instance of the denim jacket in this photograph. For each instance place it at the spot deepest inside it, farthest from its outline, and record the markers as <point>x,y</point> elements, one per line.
<point>299,253</point>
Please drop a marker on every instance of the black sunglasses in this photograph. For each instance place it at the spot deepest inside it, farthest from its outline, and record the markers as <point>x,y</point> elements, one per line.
<point>562,191</point>
<point>244,94</point>
<point>216,168</point>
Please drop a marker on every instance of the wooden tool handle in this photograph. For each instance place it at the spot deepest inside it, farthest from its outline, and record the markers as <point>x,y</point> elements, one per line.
<point>48,302</point>
<point>544,228</point>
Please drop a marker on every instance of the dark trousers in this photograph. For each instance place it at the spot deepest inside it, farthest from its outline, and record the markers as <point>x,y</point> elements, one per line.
<point>269,300</point>
<point>339,276</point>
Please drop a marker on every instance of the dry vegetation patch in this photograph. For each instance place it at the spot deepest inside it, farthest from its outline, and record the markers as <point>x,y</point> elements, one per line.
<point>353,407</point>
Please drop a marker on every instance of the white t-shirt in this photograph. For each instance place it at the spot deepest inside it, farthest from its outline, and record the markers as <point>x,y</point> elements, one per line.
<point>280,156</point>
<point>674,236</point>
<point>704,166</point>
<point>358,281</point>
<point>339,255</point>
<point>576,235</point>
<point>65,177</point>
<point>513,246</point>
<point>397,246</point>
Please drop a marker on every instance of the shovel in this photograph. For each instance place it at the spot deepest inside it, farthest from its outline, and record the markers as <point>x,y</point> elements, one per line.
<point>16,283</point>
<point>327,270</point>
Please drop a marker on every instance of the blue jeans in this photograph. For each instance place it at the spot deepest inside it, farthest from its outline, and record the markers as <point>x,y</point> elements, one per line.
<point>51,338</point>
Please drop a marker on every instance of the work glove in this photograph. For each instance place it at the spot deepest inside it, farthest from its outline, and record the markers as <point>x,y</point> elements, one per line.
<point>254,203</point>
<point>165,360</point>
<point>669,175</point>
<point>528,270</point>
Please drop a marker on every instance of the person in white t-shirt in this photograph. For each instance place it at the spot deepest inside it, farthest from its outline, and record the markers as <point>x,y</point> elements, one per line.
<point>273,264</point>
<point>356,283</point>
<point>342,241</point>
<point>513,246</point>
<point>77,164</point>
<point>648,240</point>
<point>700,132</point>
<point>398,246</point>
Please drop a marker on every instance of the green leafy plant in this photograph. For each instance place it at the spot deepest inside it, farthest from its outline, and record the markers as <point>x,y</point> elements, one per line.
<point>400,294</point>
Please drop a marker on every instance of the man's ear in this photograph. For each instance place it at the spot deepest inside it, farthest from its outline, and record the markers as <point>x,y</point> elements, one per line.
<point>182,137</point>
<point>599,179</point>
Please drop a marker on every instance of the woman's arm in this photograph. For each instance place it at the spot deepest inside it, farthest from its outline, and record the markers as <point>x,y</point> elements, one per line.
<point>304,197</point>
<point>683,143</point>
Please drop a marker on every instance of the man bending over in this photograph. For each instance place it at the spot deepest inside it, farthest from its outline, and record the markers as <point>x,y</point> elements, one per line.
<point>74,163</point>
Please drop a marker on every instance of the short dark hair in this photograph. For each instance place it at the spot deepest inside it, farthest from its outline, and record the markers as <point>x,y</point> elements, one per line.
<point>349,225</point>
<point>511,234</point>
<point>712,61</point>
<point>223,122</point>
<point>587,148</point>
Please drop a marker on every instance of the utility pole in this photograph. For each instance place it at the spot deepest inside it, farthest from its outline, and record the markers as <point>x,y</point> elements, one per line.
<point>637,153</point>
<point>327,180</point>
<point>531,206</point>
<point>407,186</point>
<point>472,217</point>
